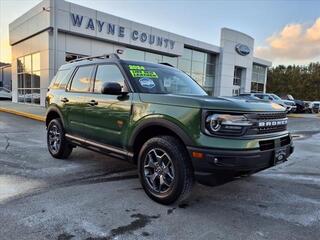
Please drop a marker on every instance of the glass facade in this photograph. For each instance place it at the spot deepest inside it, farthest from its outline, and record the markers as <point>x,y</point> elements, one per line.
<point>258,78</point>
<point>199,65</point>
<point>237,76</point>
<point>28,71</point>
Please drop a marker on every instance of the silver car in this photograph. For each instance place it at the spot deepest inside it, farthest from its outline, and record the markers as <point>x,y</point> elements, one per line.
<point>5,93</point>
<point>289,105</point>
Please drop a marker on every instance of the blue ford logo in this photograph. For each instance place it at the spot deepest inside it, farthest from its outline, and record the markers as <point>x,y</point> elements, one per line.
<point>242,49</point>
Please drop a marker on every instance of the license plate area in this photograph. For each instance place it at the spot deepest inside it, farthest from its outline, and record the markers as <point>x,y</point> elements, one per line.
<point>280,155</point>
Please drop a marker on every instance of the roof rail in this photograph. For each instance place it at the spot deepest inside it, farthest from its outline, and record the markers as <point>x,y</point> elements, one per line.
<point>105,56</point>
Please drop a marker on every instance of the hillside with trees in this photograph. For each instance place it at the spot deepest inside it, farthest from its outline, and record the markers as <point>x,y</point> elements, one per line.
<point>302,82</point>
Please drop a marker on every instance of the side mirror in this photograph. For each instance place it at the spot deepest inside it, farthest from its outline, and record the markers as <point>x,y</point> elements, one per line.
<point>112,88</point>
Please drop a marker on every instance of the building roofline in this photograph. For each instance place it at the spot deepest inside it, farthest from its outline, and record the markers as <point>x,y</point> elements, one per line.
<point>262,62</point>
<point>230,29</point>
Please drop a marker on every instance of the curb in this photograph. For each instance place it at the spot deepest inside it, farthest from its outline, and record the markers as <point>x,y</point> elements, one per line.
<point>295,116</point>
<point>24,114</point>
<point>302,116</point>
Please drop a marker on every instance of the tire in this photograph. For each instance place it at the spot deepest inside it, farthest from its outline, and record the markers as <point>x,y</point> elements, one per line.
<point>57,144</point>
<point>165,157</point>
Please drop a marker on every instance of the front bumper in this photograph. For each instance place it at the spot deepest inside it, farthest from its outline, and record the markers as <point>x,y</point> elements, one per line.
<point>241,160</point>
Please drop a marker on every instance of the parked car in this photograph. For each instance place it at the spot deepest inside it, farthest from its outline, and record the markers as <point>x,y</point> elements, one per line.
<point>312,107</point>
<point>316,106</point>
<point>5,93</point>
<point>300,105</point>
<point>308,106</point>
<point>289,105</point>
<point>247,97</point>
<point>160,119</point>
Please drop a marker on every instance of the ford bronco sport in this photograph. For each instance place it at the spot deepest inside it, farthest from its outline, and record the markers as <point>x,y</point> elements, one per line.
<point>159,118</point>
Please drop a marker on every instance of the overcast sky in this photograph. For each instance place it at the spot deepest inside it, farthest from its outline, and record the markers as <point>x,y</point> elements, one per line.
<point>285,32</point>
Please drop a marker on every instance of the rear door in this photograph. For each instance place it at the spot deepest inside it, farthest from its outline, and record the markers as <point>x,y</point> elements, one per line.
<point>108,118</point>
<point>76,100</point>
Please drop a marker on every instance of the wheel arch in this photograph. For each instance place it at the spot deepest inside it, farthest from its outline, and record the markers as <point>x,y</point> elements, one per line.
<point>52,113</point>
<point>155,127</point>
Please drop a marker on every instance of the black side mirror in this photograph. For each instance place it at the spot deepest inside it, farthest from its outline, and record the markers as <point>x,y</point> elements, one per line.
<point>112,88</point>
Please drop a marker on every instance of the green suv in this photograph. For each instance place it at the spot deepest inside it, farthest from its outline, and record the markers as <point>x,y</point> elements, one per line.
<point>159,118</point>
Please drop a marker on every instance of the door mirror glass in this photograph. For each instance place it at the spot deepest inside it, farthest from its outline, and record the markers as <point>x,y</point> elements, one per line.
<point>112,88</point>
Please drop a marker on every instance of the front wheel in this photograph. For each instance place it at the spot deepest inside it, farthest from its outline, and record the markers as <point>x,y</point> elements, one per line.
<point>165,170</point>
<point>57,144</point>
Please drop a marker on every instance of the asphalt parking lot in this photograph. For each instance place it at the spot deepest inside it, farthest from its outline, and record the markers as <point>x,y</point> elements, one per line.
<point>91,196</point>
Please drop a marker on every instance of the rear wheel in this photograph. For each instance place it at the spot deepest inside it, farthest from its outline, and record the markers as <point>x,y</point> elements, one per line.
<point>165,170</point>
<point>57,144</point>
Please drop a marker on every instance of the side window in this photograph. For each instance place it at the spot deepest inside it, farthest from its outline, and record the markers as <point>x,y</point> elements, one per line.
<point>61,79</point>
<point>266,97</point>
<point>81,79</point>
<point>107,73</point>
<point>258,96</point>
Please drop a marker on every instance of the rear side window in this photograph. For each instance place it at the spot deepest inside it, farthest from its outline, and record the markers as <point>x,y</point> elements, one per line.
<point>107,73</point>
<point>81,79</point>
<point>61,79</point>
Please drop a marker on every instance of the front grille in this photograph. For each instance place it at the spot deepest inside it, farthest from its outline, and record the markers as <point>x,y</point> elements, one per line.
<point>265,123</point>
<point>276,115</point>
<point>266,145</point>
<point>270,144</point>
<point>264,130</point>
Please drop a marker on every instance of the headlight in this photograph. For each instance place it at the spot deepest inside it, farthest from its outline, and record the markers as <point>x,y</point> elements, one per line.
<point>226,124</point>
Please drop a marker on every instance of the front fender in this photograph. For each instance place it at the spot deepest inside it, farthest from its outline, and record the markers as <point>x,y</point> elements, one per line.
<point>54,108</point>
<point>160,121</point>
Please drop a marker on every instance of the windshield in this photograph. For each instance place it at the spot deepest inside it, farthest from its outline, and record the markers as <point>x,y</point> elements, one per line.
<point>161,80</point>
<point>275,97</point>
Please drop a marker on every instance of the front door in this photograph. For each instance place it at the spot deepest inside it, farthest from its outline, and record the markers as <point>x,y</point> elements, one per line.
<point>107,119</point>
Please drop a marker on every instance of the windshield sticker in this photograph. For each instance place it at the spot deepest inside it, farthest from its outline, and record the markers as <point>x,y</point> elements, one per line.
<point>143,74</point>
<point>147,83</point>
<point>136,67</point>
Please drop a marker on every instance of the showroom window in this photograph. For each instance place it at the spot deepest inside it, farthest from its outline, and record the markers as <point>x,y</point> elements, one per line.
<point>200,66</point>
<point>258,78</point>
<point>139,55</point>
<point>28,72</point>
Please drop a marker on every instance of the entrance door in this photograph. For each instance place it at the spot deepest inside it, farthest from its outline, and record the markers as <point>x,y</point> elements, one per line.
<point>237,77</point>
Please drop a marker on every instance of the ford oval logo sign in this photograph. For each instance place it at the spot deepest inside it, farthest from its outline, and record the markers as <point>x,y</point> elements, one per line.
<point>242,49</point>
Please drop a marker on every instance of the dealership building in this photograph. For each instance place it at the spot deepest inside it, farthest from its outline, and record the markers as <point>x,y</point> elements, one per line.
<point>55,32</point>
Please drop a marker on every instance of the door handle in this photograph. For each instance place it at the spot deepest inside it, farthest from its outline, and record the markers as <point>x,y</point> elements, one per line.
<point>64,100</point>
<point>93,103</point>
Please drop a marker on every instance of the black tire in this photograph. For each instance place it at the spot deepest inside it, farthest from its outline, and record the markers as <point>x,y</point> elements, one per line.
<point>62,149</point>
<point>181,170</point>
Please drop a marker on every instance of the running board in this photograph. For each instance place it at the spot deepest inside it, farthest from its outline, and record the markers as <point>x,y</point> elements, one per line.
<point>105,147</point>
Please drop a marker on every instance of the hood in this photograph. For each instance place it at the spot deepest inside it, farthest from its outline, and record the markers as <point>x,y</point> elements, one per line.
<point>214,103</point>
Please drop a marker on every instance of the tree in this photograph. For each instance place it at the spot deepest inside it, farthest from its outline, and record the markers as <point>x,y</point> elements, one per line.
<point>303,82</point>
